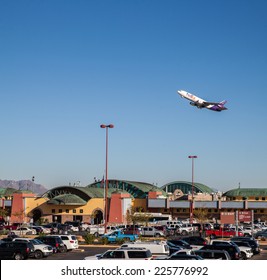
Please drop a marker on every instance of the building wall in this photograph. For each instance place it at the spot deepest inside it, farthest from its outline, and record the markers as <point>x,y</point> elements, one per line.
<point>139,203</point>
<point>27,203</point>
<point>65,212</point>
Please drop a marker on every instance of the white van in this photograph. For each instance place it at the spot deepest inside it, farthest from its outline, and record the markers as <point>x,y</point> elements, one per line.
<point>156,248</point>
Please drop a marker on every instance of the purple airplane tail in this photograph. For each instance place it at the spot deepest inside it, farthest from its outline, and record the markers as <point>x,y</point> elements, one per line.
<point>223,102</point>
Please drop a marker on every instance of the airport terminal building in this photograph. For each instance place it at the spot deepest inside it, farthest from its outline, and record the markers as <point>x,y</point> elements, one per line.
<point>72,203</point>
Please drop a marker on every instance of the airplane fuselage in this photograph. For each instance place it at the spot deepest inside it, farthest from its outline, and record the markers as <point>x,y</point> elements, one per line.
<point>201,103</point>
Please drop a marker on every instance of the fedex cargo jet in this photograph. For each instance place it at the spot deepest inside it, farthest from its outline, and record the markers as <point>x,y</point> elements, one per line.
<point>200,103</point>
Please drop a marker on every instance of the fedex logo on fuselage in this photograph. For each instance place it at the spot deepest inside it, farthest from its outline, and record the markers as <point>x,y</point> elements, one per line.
<point>191,96</point>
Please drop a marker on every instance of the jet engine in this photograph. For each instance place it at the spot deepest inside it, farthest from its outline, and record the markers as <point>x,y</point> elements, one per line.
<point>193,104</point>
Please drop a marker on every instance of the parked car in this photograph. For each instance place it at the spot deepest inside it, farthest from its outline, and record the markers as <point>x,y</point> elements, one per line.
<point>261,234</point>
<point>251,241</point>
<point>84,226</point>
<point>196,242</point>
<point>123,254</point>
<point>213,254</point>
<point>55,241</point>
<point>232,249</point>
<point>16,250</point>
<point>41,229</point>
<point>74,225</point>
<point>185,229</point>
<point>118,235</point>
<point>246,251</point>
<point>156,248</point>
<point>132,229</point>
<point>183,257</point>
<point>24,231</point>
<point>151,231</point>
<point>173,247</point>
<point>245,248</point>
<point>180,242</point>
<point>41,250</point>
<point>70,241</point>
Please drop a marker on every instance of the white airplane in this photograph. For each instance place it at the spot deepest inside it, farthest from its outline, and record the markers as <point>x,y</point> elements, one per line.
<point>201,103</point>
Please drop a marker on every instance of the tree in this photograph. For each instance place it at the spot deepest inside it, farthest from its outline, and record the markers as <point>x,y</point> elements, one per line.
<point>201,215</point>
<point>137,216</point>
<point>3,213</point>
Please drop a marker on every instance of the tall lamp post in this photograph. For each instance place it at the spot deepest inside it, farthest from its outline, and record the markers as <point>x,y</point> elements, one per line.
<point>106,183</point>
<point>192,190</point>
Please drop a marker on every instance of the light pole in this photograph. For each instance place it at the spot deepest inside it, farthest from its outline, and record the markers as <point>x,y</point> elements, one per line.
<point>192,190</point>
<point>106,183</point>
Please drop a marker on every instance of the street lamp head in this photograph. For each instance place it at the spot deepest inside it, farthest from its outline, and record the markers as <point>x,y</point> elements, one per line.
<point>106,126</point>
<point>192,156</point>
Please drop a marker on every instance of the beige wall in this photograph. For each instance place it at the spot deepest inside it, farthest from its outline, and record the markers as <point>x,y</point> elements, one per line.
<point>66,211</point>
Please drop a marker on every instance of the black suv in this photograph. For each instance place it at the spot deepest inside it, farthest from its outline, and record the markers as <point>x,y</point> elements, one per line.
<point>15,250</point>
<point>251,241</point>
<point>195,240</point>
<point>54,241</point>
<point>232,249</point>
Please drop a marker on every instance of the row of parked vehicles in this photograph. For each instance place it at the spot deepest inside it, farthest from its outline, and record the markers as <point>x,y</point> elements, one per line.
<point>162,229</point>
<point>18,248</point>
<point>185,248</point>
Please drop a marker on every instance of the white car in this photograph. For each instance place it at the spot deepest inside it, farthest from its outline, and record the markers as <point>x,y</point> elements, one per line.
<point>84,226</point>
<point>41,250</point>
<point>123,254</point>
<point>180,252</point>
<point>70,241</point>
<point>155,247</point>
<point>24,231</point>
<point>73,228</point>
<point>41,229</point>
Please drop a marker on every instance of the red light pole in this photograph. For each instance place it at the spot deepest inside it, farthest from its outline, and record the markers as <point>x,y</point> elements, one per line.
<point>192,201</point>
<point>106,183</point>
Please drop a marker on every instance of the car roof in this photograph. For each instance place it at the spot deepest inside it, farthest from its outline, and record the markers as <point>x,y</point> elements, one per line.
<point>131,248</point>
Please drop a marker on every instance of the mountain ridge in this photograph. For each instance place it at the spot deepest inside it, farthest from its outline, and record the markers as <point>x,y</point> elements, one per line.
<point>23,185</point>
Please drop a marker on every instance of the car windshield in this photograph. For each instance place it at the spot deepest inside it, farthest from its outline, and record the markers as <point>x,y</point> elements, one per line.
<point>36,241</point>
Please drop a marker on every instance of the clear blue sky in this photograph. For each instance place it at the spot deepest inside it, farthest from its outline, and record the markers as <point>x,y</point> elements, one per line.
<point>68,66</point>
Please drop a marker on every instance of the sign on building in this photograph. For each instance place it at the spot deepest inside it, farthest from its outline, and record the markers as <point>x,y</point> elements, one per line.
<point>227,217</point>
<point>244,216</point>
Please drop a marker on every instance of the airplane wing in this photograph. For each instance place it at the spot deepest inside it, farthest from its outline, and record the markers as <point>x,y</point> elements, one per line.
<point>211,103</point>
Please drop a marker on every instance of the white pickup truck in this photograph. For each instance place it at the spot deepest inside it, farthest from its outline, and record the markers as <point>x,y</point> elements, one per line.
<point>152,232</point>
<point>99,230</point>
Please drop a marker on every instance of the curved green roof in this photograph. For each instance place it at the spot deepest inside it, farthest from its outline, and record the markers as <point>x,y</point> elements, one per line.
<point>68,195</point>
<point>67,199</point>
<point>135,189</point>
<point>186,187</point>
<point>246,192</point>
<point>82,192</point>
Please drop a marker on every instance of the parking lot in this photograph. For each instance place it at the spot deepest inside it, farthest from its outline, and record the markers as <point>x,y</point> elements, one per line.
<point>87,250</point>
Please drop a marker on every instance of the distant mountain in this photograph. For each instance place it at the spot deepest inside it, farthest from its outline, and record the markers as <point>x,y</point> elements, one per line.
<point>23,185</point>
